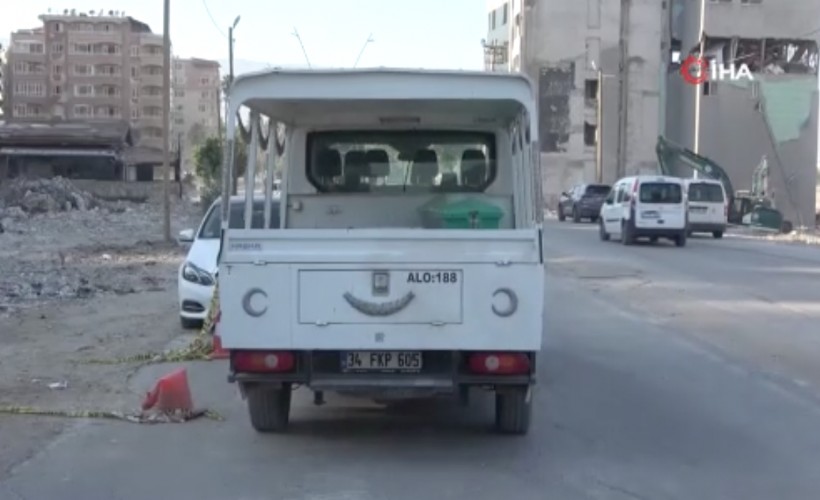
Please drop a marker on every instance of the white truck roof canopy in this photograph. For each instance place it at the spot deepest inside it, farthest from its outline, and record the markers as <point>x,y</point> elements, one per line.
<point>313,97</point>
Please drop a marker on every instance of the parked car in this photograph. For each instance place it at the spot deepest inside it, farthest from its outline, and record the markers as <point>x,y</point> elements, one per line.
<point>645,206</point>
<point>582,202</point>
<point>708,206</point>
<point>197,275</point>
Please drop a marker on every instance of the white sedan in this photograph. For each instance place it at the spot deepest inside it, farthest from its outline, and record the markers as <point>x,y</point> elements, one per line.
<point>197,275</point>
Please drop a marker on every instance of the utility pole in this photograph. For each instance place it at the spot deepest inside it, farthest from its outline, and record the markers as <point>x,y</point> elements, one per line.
<point>623,97</point>
<point>699,87</point>
<point>599,146</point>
<point>235,176</point>
<point>166,119</point>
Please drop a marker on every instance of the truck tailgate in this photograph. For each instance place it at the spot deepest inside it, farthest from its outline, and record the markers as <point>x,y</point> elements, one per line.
<point>397,289</point>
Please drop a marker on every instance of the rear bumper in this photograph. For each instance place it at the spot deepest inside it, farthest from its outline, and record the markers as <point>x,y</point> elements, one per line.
<point>589,211</point>
<point>706,227</point>
<point>445,372</point>
<point>659,232</point>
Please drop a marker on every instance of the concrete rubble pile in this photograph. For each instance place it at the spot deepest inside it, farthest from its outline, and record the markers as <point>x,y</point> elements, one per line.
<point>35,196</point>
<point>60,242</point>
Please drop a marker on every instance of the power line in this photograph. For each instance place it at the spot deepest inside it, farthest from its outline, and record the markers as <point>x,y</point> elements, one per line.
<point>205,4</point>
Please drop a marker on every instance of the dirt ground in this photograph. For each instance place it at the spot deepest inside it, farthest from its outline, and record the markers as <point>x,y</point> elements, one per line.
<point>76,285</point>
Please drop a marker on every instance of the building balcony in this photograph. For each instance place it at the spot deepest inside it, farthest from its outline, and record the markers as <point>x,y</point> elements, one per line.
<point>152,59</point>
<point>151,80</point>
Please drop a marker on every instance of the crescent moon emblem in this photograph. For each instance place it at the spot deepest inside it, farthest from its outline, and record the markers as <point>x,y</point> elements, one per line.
<point>513,303</point>
<point>248,307</point>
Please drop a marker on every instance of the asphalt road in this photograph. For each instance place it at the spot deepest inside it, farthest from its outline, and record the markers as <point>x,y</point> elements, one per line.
<point>668,373</point>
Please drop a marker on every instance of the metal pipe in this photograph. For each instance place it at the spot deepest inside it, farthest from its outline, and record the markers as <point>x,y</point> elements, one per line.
<point>272,154</point>
<point>166,120</point>
<point>699,88</point>
<point>250,169</point>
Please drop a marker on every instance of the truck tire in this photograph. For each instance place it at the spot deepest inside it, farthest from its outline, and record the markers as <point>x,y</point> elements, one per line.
<point>269,407</point>
<point>561,216</point>
<point>718,234</point>
<point>190,324</point>
<point>602,230</point>
<point>576,216</point>
<point>680,240</point>
<point>627,236</point>
<point>513,410</point>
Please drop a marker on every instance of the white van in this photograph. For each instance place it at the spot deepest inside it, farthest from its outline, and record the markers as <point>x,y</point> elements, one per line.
<point>708,206</point>
<point>645,206</point>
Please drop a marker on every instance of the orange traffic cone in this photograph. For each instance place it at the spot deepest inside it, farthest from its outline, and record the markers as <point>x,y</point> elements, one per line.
<point>218,351</point>
<point>171,393</point>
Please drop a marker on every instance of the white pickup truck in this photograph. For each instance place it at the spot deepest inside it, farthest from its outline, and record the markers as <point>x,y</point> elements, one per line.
<point>409,259</point>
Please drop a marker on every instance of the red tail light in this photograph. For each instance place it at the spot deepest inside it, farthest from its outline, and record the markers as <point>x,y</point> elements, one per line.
<point>499,363</point>
<point>263,361</point>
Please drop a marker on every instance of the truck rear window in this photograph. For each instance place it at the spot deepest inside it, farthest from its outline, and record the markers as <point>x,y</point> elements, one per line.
<point>703,192</point>
<point>398,161</point>
<point>660,192</point>
<point>597,190</point>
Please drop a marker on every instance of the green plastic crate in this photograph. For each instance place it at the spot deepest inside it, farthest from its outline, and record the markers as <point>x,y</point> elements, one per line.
<point>463,214</point>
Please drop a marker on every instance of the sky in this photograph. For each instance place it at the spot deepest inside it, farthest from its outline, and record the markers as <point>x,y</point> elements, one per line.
<point>438,34</point>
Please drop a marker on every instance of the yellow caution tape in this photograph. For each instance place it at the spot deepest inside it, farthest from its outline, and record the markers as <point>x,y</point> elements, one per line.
<point>137,418</point>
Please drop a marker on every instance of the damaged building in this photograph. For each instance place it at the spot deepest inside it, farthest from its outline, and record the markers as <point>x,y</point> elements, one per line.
<point>590,126</point>
<point>101,157</point>
<point>772,116</point>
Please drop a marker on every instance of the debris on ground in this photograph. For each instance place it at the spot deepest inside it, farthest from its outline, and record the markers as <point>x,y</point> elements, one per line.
<point>59,242</point>
<point>37,196</point>
<point>803,236</point>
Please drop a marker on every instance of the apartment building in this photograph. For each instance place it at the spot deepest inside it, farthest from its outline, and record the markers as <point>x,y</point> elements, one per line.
<point>502,47</point>
<point>571,49</point>
<point>774,115</point>
<point>196,98</point>
<point>2,76</point>
<point>89,66</point>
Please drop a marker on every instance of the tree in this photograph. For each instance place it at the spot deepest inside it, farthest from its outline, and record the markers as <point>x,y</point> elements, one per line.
<point>209,158</point>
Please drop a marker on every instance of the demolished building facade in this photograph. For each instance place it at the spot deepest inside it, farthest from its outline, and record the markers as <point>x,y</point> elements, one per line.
<point>773,115</point>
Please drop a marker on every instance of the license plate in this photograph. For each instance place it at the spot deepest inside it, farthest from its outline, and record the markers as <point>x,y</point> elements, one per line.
<point>381,361</point>
<point>650,214</point>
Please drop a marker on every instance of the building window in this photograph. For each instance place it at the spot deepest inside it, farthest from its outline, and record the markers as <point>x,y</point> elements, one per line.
<point>82,111</point>
<point>58,90</point>
<point>590,134</point>
<point>590,92</point>
<point>20,110</point>
<point>27,47</point>
<point>179,93</point>
<point>108,112</point>
<point>107,69</point>
<point>135,113</point>
<point>57,48</point>
<point>135,93</point>
<point>492,20</point>
<point>179,121</point>
<point>205,81</point>
<point>135,51</point>
<point>109,90</point>
<point>28,68</point>
<point>107,48</point>
<point>31,89</point>
<point>206,94</point>
<point>58,27</point>
<point>505,15</point>
<point>83,70</point>
<point>81,48</point>
<point>202,108</point>
<point>83,90</point>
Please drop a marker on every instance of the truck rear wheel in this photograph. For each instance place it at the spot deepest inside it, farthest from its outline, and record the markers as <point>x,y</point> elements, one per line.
<point>269,407</point>
<point>513,409</point>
